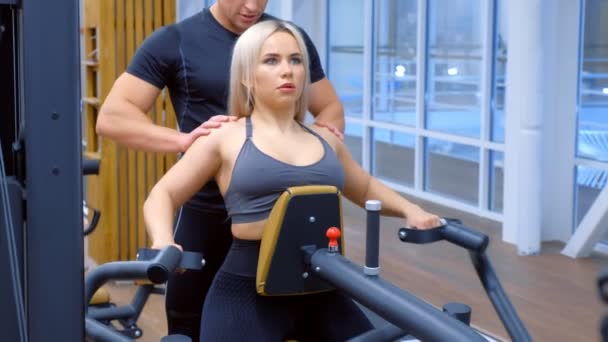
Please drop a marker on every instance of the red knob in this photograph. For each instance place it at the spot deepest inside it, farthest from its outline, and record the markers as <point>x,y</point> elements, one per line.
<point>333,234</point>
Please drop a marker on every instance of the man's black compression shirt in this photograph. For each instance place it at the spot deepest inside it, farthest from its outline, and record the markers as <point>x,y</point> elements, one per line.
<point>192,59</point>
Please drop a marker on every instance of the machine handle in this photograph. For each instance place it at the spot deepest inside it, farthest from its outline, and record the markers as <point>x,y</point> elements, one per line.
<point>90,167</point>
<point>188,261</point>
<point>164,263</point>
<point>94,221</point>
<point>450,230</point>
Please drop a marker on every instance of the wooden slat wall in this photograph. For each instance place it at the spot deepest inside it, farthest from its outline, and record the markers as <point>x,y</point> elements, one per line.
<point>126,176</point>
<point>102,241</point>
<point>123,205</point>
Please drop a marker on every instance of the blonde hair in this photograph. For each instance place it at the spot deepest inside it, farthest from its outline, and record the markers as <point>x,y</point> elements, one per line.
<point>244,59</point>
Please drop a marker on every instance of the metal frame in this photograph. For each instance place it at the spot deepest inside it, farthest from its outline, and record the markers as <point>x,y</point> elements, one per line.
<point>12,322</point>
<point>51,109</point>
<point>368,82</point>
<point>12,317</point>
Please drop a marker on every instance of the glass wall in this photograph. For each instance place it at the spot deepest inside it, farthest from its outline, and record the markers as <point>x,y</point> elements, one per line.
<point>394,80</point>
<point>500,73</point>
<point>450,173</point>
<point>345,67</point>
<point>453,97</point>
<point>421,69</point>
<point>497,106</point>
<point>395,69</point>
<point>454,67</point>
<point>592,127</point>
<point>496,181</point>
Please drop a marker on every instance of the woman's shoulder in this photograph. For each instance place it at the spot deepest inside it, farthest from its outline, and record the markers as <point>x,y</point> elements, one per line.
<point>230,129</point>
<point>327,135</point>
<point>229,136</point>
<point>223,135</point>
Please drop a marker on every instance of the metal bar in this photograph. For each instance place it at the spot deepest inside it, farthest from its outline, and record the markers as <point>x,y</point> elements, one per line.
<point>139,301</point>
<point>51,109</point>
<point>11,280</point>
<point>465,237</point>
<point>112,313</point>
<point>388,332</point>
<point>368,82</point>
<point>498,297</point>
<point>485,121</point>
<point>100,332</point>
<point>118,270</point>
<point>424,133</point>
<point>421,99</point>
<point>372,239</point>
<point>590,230</point>
<point>388,301</point>
<point>156,270</point>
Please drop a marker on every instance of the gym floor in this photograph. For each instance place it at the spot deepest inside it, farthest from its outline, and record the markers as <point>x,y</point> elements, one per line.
<point>555,296</point>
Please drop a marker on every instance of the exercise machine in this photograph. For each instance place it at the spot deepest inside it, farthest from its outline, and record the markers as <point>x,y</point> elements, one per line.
<point>602,286</point>
<point>152,266</point>
<point>302,252</point>
<point>296,259</point>
<point>41,176</point>
<point>476,244</point>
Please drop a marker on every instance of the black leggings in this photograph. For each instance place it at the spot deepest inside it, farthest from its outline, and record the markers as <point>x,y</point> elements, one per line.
<point>201,232</point>
<point>233,310</point>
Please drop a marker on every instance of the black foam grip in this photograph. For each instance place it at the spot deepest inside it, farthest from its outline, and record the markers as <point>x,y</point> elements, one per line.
<point>602,280</point>
<point>165,262</point>
<point>465,237</point>
<point>90,166</point>
<point>188,261</point>
<point>420,236</point>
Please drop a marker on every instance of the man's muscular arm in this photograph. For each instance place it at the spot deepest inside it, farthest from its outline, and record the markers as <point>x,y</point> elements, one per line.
<point>325,106</point>
<point>123,118</point>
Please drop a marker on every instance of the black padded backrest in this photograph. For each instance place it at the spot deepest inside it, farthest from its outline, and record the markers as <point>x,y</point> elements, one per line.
<point>305,220</point>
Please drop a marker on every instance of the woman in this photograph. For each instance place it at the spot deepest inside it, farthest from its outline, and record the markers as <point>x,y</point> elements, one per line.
<point>253,160</point>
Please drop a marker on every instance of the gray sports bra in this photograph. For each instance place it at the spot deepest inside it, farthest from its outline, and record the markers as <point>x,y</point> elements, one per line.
<point>259,179</point>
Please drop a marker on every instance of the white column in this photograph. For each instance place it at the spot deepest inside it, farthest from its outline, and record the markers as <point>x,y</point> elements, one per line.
<point>524,123</point>
<point>540,121</point>
<point>560,120</point>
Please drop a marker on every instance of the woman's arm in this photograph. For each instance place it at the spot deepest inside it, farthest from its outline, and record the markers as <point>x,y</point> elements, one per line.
<point>197,166</point>
<point>360,187</point>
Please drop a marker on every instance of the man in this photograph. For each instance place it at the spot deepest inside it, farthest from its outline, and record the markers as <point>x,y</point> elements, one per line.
<point>192,59</point>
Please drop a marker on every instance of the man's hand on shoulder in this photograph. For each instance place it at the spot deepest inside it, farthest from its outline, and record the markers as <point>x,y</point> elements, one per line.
<point>333,129</point>
<point>204,129</point>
